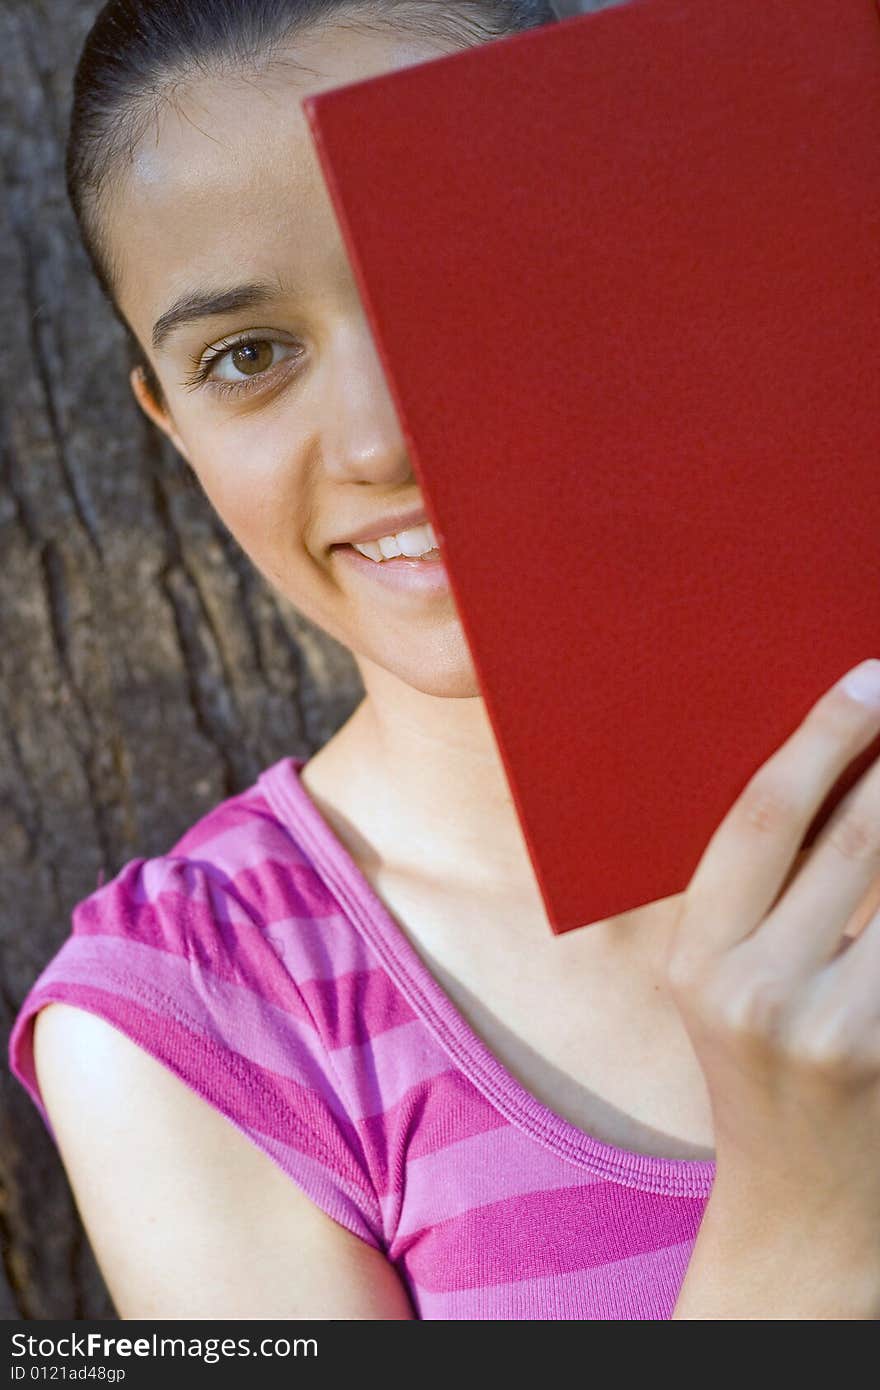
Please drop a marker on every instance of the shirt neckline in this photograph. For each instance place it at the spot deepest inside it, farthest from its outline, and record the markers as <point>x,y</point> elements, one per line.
<point>302,818</point>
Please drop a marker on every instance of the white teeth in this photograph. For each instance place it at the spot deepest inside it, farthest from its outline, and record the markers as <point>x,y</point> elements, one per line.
<point>389,547</point>
<point>418,540</point>
<point>368,548</point>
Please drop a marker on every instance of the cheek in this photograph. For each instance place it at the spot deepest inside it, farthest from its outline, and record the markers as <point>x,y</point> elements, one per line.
<point>258,502</point>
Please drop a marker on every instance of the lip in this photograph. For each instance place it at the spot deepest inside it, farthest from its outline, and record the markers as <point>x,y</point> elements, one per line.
<point>387,526</point>
<point>420,577</point>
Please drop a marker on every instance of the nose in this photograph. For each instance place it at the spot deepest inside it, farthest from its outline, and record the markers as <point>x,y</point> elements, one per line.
<point>361,436</point>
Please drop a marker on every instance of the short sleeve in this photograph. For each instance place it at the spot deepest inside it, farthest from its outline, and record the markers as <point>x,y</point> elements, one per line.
<point>168,953</point>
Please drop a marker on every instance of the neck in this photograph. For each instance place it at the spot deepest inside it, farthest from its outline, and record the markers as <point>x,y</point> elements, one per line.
<point>430,769</point>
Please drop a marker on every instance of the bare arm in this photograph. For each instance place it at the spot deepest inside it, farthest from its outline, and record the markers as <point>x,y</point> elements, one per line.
<point>186,1216</point>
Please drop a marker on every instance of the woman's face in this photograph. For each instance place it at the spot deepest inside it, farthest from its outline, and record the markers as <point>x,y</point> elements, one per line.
<point>295,439</point>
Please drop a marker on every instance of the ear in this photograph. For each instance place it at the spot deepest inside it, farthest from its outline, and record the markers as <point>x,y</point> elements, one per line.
<point>155,412</point>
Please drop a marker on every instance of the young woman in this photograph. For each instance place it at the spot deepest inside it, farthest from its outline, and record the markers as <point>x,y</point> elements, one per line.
<point>324,1058</point>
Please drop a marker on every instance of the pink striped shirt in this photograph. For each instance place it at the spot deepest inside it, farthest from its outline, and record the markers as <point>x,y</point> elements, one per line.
<point>255,961</point>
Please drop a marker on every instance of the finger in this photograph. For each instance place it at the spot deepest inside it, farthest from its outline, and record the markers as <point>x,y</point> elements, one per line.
<point>854,977</point>
<point>807,924</point>
<point>865,911</point>
<point>868,905</point>
<point>745,863</point>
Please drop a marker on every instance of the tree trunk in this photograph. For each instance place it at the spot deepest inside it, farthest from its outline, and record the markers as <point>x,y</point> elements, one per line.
<point>146,670</point>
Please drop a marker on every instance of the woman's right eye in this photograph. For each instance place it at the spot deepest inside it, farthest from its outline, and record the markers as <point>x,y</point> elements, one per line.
<point>252,356</point>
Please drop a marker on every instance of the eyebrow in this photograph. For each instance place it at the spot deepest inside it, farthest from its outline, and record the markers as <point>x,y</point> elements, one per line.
<point>208,303</point>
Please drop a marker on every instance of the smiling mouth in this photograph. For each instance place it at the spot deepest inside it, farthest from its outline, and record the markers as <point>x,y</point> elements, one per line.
<point>405,574</point>
<point>395,560</point>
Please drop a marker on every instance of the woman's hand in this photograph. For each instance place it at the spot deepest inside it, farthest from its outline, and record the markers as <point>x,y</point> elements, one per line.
<point>783,1011</point>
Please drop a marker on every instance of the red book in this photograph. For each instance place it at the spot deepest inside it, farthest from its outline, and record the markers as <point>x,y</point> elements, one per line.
<point>623,274</point>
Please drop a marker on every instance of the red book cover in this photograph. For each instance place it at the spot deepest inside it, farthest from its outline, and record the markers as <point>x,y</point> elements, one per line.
<point>623,274</point>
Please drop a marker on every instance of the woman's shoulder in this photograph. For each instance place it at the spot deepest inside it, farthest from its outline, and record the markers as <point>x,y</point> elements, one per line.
<point>228,832</point>
<point>239,867</point>
<point>224,958</point>
<point>230,936</point>
<point>244,837</point>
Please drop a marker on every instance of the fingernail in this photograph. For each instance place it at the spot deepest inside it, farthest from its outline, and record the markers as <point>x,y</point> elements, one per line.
<point>863,682</point>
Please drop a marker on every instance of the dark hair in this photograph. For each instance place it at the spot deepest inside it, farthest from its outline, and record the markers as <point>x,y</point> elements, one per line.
<point>138,51</point>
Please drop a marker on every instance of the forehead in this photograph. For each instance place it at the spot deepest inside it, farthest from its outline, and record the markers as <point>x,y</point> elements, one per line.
<point>226,177</point>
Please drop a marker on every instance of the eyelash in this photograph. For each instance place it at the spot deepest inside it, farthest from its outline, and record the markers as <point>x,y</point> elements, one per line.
<point>203,365</point>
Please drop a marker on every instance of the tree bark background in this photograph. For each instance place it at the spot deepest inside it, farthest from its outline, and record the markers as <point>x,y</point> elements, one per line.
<point>146,669</point>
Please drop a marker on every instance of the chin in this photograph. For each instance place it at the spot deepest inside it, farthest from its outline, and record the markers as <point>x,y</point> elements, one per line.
<point>446,685</point>
<point>441,666</point>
